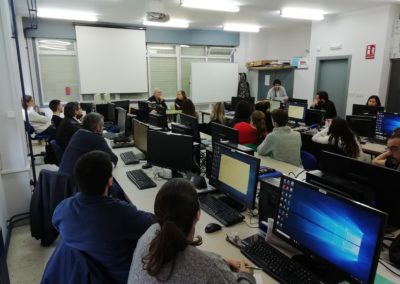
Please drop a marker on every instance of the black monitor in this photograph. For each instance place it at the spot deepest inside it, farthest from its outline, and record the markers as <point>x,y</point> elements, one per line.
<point>87,107</point>
<point>221,132</point>
<point>158,120</point>
<point>362,125</point>
<point>181,129</point>
<point>298,101</point>
<point>236,100</point>
<point>235,174</point>
<point>386,123</point>
<point>362,181</point>
<point>143,112</point>
<point>121,121</point>
<point>315,116</point>
<point>366,110</point>
<point>140,130</point>
<point>107,110</point>
<point>170,150</point>
<point>122,104</point>
<point>297,111</point>
<point>193,123</point>
<point>332,231</point>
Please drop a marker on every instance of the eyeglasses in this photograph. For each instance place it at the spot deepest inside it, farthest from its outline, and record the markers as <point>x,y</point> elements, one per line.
<point>393,148</point>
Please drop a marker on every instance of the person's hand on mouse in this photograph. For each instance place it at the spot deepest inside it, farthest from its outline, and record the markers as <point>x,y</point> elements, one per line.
<point>239,265</point>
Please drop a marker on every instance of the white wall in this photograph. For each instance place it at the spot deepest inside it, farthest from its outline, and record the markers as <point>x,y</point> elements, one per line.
<point>354,31</point>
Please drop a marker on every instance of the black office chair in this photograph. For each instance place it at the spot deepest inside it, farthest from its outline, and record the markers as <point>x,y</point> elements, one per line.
<point>57,150</point>
<point>32,134</point>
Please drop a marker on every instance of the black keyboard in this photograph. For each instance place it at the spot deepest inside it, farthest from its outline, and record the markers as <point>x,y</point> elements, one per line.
<point>129,158</point>
<point>219,210</point>
<point>141,179</point>
<point>276,264</point>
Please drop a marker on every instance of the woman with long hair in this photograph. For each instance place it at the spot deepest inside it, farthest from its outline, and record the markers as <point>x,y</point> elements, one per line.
<point>180,98</point>
<point>189,108</point>
<point>218,113</point>
<point>373,101</point>
<point>252,133</point>
<point>168,251</point>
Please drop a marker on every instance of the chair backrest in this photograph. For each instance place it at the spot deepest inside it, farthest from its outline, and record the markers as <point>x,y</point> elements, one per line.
<point>308,160</point>
<point>29,128</point>
<point>58,151</point>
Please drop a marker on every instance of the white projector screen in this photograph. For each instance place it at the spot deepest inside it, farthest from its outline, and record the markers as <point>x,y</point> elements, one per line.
<point>214,82</point>
<point>111,60</point>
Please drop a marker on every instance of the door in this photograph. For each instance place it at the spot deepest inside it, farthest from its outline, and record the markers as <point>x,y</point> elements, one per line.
<point>333,77</point>
<point>286,76</point>
<point>393,98</point>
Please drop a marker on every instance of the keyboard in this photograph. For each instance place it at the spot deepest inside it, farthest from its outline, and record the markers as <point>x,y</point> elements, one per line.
<point>219,210</point>
<point>129,158</point>
<point>377,140</point>
<point>141,179</point>
<point>276,264</point>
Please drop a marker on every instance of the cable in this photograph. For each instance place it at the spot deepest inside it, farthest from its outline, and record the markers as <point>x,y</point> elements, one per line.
<point>388,268</point>
<point>296,176</point>
<point>292,173</point>
<point>249,225</point>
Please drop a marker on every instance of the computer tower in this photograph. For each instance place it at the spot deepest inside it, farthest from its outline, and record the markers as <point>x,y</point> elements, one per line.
<point>209,158</point>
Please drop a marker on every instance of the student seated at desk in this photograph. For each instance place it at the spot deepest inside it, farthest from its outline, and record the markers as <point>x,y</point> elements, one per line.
<point>40,123</point>
<point>104,229</point>
<point>243,112</point>
<point>168,251</point>
<point>218,113</point>
<point>158,98</point>
<point>373,101</point>
<point>69,125</point>
<point>282,143</point>
<point>322,102</point>
<point>390,158</point>
<point>264,106</point>
<point>57,108</point>
<point>252,133</point>
<point>180,98</point>
<point>189,109</point>
<point>339,135</point>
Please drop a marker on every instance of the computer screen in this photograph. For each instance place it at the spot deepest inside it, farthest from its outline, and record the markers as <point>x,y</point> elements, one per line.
<point>143,113</point>
<point>294,100</point>
<point>87,107</point>
<point>362,125</point>
<point>107,110</point>
<point>170,150</point>
<point>121,122</point>
<point>140,130</point>
<point>193,123</point>
<point>236,100</point>
<point>235,174</point>
<point>386,123</point>
<point>337,230</point>
<point>315,116</point>
<point>366,110</point>
<point>181,129</point>
<point>221,132</point>
<point>158,120</point>
<point>297,111</point>
<point>273,104</point>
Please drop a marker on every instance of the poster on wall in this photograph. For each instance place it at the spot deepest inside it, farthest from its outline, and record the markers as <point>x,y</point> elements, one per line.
<point>370,51</point>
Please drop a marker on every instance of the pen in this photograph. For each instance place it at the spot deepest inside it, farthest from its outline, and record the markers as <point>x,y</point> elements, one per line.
<point>253,267</point>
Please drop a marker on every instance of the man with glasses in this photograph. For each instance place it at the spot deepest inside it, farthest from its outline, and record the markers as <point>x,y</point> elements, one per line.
<point>390,158</point>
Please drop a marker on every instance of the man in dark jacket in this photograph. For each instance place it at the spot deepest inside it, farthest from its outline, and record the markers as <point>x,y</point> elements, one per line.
<point>322,102</point>
<point>69,125</point>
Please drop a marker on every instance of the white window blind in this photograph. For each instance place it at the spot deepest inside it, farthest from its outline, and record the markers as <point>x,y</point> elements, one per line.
<point>164,75</point>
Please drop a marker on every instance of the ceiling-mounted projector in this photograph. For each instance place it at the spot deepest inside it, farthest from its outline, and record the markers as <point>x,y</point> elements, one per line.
<point>157,17</point>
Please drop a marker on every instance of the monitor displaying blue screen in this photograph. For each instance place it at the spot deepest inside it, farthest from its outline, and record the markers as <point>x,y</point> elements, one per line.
<point>235,174</point>
<point>344,233</point>
<point>386,123</point>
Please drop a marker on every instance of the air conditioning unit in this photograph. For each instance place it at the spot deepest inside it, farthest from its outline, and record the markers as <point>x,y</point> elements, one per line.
<point>157,17</point>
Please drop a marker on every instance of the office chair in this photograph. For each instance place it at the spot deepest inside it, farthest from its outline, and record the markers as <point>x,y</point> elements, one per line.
<point>31,131</point>
<point>308,160</point>
<point>57,150</point>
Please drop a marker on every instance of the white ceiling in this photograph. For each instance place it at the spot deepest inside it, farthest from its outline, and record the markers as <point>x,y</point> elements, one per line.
<point>263,13</point>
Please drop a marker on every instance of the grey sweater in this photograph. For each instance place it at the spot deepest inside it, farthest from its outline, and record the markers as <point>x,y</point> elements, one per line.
<point>192,266</point>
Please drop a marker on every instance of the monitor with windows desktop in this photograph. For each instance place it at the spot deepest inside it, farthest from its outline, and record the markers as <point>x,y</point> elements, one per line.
<point>332,231</point>
<point>297,111</point>
<point>362,125</point>
<point>386,123</point>
<point>366,110</point>
<point>170,150</point>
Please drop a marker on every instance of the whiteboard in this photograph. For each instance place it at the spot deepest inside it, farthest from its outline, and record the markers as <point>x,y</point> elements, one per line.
<point>111,60</point>
<point>214,82</point>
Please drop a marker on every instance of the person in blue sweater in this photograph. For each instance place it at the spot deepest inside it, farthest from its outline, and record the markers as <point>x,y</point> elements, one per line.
<point>103,228</point>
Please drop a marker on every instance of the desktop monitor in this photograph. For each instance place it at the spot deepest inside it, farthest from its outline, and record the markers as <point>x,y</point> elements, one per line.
<point>315,116</point>
<point>363,126</point>
<point>235,174</point>
<point>366,110</point>
<point>191,122</point>
<point>121,119</point>
<point>298,101</point>
<point>386,123</point>
<point>364,182</point>
<point>273,105</point>
<point>297,112</point>
<point>122,104</point>
<point>87,107</point>
<point>158,120</point>
<point>221,132</point>
<point>170,150</point>
<point>107,110</point>
<point>140,130</point>
<point>236,100</point>
<point>143,113</point>
<point>332,231</point>
<point>181,129</point>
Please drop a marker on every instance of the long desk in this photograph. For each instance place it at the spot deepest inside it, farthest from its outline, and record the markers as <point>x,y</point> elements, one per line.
<point>215,242</point>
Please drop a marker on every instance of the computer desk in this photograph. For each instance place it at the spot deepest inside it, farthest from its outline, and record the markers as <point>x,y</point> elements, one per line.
<point>215,242</point>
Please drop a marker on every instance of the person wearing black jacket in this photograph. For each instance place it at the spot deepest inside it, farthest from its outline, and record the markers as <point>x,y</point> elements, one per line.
<point>69,125</point>
<point>158,98</point>
<point>322,102</point>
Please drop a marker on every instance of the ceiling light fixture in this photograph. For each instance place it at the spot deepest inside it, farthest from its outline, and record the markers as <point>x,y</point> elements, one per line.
<point>241,28</point>
<point>304,14</point>
<point>216,5</point>
<point>67,15</point>
<point>170,24</point>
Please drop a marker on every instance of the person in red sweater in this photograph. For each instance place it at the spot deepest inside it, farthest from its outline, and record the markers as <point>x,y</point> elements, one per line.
<point>253,132</point>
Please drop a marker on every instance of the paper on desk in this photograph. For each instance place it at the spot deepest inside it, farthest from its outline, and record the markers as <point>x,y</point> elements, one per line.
<point>258,278</point>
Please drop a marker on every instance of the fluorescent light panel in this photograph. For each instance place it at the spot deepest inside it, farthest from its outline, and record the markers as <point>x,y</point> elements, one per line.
<point>67,15</point>
<point>304,14</point>
<point>170,24</point>
<point>216,5</point>
<point>241,28</point>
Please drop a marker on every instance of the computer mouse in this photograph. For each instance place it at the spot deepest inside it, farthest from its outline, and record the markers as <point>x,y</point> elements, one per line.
<point>212,227</point>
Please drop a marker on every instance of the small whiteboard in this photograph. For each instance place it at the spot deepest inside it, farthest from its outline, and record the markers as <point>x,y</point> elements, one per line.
<point>214,82</point>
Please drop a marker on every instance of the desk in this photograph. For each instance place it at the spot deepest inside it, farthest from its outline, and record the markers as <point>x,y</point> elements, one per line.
<point>144,200</point>
<point>208,112</point>
<point>373,148</point>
